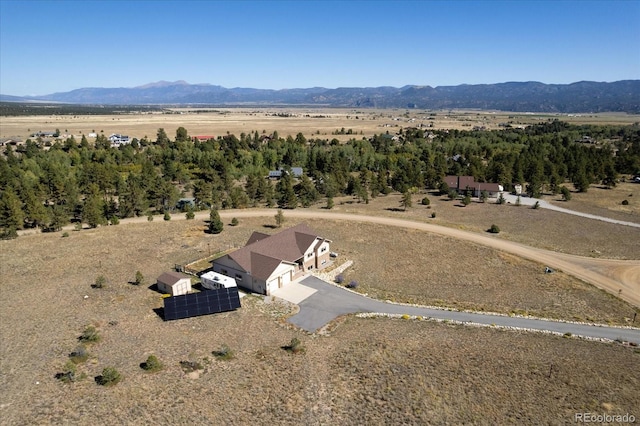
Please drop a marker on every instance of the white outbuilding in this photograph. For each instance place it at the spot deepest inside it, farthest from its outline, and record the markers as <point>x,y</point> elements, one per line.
<point>174,283</point>
<point>214,280</point>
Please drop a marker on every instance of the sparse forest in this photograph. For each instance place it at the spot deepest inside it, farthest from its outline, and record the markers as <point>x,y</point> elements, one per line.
<point>70,180</point>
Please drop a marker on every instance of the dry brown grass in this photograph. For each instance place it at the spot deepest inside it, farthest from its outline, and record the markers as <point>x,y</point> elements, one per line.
<point>606,202</point>
<point>303,120</point>
<point>340,378</point>
<point>538,228</point>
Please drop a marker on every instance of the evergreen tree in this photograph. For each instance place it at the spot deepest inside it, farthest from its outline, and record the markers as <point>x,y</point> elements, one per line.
<point>215,223</point>
<point>406,201</point>
<point>11,215</point>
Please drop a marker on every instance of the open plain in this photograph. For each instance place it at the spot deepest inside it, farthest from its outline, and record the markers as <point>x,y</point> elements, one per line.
<point>361,371</point>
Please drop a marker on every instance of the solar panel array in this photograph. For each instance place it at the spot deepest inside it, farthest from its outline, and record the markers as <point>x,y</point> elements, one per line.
<point>203,303</point>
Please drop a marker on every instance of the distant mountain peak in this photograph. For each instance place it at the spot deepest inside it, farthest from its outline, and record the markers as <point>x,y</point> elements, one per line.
<point>529,96</point>
<point>162,83</point>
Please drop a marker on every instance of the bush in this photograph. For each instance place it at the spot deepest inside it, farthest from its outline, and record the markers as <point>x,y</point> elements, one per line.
<point>433,214</point>
<point>425,201</point>
<point>494,229</point>
<point>339,279</point>
<point>501,199</point>
<point>114,220</point>
<point>234,222</point>
<point>89,335</point>
<point>100,282</point>
<point>536,206</point>
<point>109,377</point>
<point>225,353</point>
<point>294,346</point>
<point>150,217</point>
<point>190,215</point>
<point>139,278</point>
<point>352,284</point>
<point>69,373</point>
<point>190,366</point>
<point>65,234</point>
<point>625,202</point>
<point>152,364</point>
<point>79,355</point>
<point>167,216</point>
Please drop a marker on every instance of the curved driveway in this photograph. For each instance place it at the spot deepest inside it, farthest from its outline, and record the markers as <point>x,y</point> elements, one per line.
<point>330,302</point>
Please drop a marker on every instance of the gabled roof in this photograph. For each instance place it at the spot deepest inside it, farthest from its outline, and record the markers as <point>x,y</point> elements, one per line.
<point>264,253</point>
<point>171,278</point>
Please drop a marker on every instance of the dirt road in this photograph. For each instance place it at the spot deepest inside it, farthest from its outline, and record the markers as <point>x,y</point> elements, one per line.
<point>619,277</point>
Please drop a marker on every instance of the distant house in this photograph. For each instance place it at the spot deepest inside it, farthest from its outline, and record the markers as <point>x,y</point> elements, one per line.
<point>44,135</point>
<point>464,184</point>
<point>184,202</point>
<point>174,283</point>
<point>269,262</point>
<point>213,280</point>
<point>202,138</point>
<point>277,174</point>
<point>118,139</point>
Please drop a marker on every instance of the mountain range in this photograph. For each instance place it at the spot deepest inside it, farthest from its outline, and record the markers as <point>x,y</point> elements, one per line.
<point>580,97</point>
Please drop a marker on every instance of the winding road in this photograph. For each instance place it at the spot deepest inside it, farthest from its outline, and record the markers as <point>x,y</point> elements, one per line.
<point>619,277</point>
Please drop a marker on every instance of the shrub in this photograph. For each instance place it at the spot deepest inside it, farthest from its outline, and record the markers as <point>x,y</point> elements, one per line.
<point>494,229</point>
<point>339,279</point>
<point>79,355</point>
<point>224,353</point>
<point>433,214</point>
<point>536,206</point>
<point>65,234</point>
<point>69,373</point>
<point>625,202</point>
<point>78,226</point>
<point>518,201</point>
<point>190,215</point>
<point>501,199</point>
<point>167,216</point>
<point>294,346</point>
<point>150,217</point>
<point>139,278</point>
<point>190,366</point>
<point>425,201</point>
<point>109,377</point>
<point>89,335</point>
<point>352,284</point>
<point>234,222</point>
<point>114,220</point>
<point>152,364</point>
<point>100,282</point>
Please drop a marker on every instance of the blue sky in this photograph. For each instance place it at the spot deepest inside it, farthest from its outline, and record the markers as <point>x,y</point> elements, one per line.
<point>57,46</point>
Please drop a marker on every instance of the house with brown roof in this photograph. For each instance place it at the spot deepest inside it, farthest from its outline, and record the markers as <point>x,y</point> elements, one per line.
<point>462,184</point>
<point>269,262</point>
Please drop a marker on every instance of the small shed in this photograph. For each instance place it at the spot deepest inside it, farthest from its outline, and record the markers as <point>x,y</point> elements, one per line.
<point>214,280</point>
<point>174,283</point>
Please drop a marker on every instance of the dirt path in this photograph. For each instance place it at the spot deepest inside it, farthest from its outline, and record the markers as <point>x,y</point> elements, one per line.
<point>619,277</point>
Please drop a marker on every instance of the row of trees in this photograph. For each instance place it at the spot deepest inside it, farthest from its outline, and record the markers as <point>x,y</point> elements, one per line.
<point>47,186</point>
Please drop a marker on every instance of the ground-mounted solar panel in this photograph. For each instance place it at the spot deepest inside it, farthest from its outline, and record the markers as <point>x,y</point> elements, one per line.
<point>203,303</point>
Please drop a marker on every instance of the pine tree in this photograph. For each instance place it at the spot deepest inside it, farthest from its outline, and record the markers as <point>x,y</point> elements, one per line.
<point>11,214</point>
<point>215,224</point>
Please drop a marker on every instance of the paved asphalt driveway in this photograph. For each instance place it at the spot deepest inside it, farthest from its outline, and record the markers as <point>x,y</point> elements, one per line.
<point>330,301</point>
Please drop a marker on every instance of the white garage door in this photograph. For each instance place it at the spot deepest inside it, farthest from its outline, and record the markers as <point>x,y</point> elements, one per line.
<point>286,278</point>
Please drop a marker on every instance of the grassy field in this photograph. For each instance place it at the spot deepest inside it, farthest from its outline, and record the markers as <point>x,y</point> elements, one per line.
<point>311,122</point>
<point>380,371</point>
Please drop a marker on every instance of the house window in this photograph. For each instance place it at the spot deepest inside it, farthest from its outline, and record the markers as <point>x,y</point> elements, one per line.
<point>224,271</point>
<point>324,261</point>
<point>310,267</point>
<point>238,277</point>
<point>310,255</point>
<point>323,250</point>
